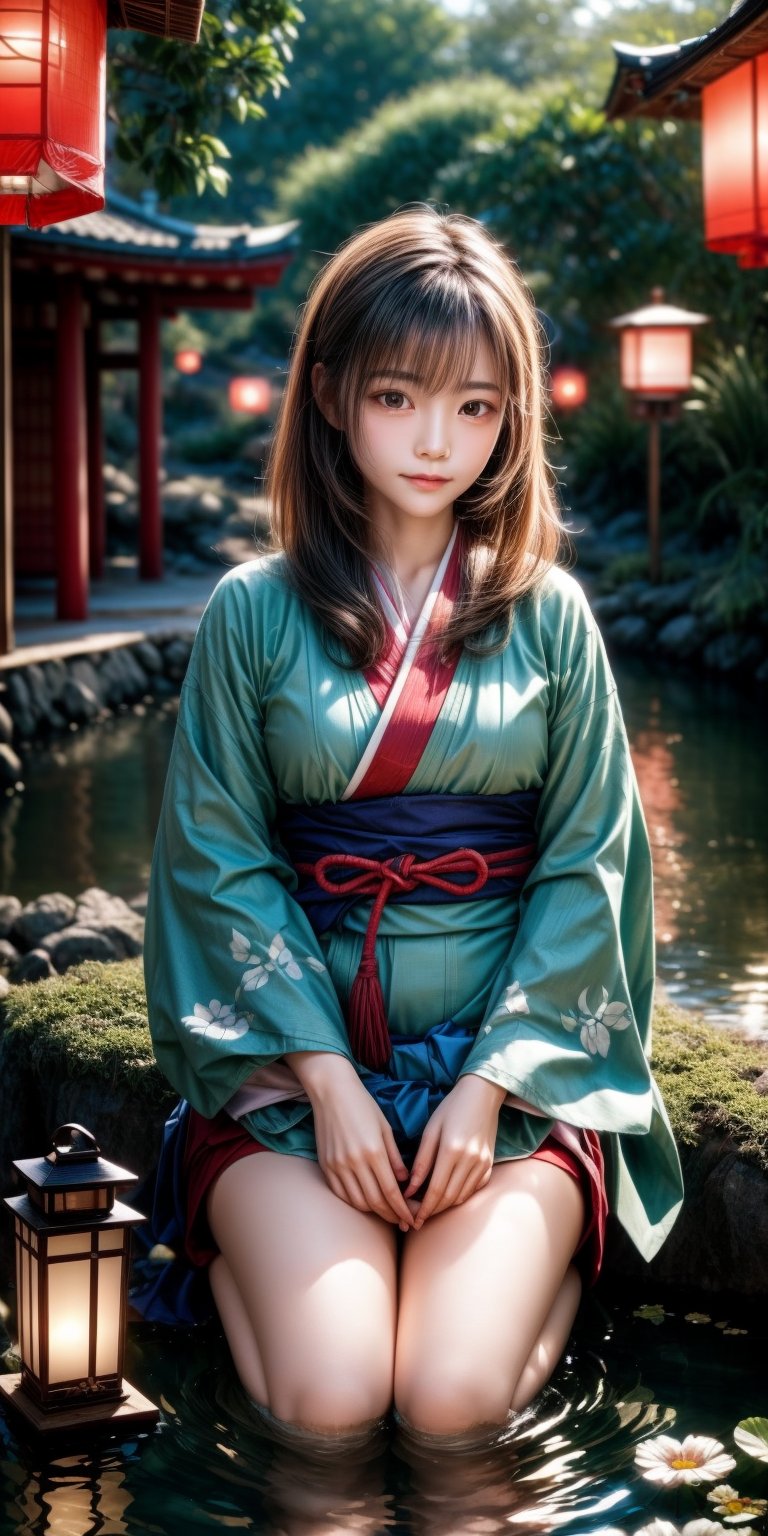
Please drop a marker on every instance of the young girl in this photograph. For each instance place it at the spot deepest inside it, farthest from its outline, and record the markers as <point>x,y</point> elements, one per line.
<point>400,921</point>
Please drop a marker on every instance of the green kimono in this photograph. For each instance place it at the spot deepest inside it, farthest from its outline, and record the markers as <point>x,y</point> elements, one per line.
<point>557,980</point>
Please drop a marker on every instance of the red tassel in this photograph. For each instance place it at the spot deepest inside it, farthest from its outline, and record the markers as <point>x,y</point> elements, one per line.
<point>368,1031</point>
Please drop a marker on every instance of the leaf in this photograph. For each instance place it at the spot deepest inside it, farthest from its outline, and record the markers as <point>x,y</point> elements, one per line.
<point>751,1436</point>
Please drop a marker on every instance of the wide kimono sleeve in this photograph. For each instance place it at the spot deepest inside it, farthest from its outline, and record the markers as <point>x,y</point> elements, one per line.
<point>234,974</point>
<point>568,1026</point>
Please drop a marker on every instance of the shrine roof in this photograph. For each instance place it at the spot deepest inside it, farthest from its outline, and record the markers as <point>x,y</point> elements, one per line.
<point>135,229</point>
<point>667,81</point>
<point>179,19</point>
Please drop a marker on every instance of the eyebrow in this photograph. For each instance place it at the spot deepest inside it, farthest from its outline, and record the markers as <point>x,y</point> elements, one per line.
<point>417,378</point>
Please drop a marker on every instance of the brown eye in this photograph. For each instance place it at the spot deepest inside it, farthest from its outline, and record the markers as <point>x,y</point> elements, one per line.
<point>392,395</point>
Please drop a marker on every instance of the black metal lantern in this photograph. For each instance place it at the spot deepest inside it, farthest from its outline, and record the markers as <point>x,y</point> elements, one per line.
<point>72,1260</point>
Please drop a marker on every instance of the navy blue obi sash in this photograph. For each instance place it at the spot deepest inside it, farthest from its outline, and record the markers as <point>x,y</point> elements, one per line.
<point>389,826</point>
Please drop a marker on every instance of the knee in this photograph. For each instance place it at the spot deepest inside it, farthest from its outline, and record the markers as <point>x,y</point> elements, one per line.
<point>447,1399</point>
<point>332,1407</point>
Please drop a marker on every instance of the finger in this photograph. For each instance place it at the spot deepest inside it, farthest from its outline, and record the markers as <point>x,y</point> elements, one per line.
<point>350,1190</point>
<point>423,1160</point>
<point>379,1200</point>
<point>475,1180</point>
<point>393,1195</point>
<point>437,1186</point>
<point>393,1152</point>
<point>453,1187</point>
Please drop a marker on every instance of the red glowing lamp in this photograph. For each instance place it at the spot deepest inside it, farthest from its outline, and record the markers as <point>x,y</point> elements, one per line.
<point>734,120</point>
<point>656,348</point>
<point>188,360</point>
<point>253,395</point>
<point>52,109</point>
<point>568,388</point>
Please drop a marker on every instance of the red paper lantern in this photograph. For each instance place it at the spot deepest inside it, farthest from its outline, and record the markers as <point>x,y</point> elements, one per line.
<point>568,388</point>
<point>254,395</point>
<point>188,360</point>
<point>734,117</point>
<point>656,348</point>
<point>52,109</point>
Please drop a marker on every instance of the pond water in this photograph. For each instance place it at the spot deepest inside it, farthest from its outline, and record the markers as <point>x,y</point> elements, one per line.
<point>569,1467</point>
<point>89,811</point>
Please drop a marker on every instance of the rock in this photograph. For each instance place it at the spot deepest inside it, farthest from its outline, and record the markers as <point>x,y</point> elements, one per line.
<point>120,480</point>
<point>720,1239</point>
<point>148,656</point>
<point>682,636</point>
<point>79,702</point>
<point>123,927</point>
<point>10,907</point>
<point>84,671</point>
<point>176,657</point>
<point>46,914</point>
<point>760,1084</point>
<point>75,944</point>
<point>5,986</point>
<point>11,769</point>
<point>662,602</point>
<point>56,674</point>
<point>34,966</point>
<point>8,952</point>
<point>730,651</point>
<point>632,632</point>
<point>611,605</point>
<point>139,903</point>
<point>20,705</point>
<point>6,725</point>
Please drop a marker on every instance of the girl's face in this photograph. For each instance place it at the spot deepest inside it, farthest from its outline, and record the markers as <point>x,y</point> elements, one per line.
<point>417,451</point>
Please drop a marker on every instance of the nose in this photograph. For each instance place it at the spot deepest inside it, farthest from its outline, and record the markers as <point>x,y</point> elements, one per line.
<point>434,437</point>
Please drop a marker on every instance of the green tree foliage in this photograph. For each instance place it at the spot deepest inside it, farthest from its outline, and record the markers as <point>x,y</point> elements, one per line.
<point>525,41</point>
<point>166,98</point>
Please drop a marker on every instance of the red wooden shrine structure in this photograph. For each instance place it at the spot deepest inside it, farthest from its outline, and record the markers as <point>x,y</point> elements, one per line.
<point>126,262</point>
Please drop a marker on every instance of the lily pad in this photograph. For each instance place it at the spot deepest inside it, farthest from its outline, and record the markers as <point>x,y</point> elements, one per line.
<point>751,1436</point>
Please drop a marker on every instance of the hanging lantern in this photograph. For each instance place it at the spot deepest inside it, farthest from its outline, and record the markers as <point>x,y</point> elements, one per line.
<point>188,360</point>
<point>254,395</point>
<point>734,120</point>
<point>568,388</point>
<point>52,109</point>
<point>656,348</point>
<point>72,1258</point>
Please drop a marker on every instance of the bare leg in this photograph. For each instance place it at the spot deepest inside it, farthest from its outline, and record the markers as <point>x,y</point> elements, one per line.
<point>307,1293</point>
<point>551,1342</point>
<point>479,1285</point>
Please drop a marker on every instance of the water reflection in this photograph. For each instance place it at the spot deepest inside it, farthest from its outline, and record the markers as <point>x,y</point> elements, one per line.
<point>92,799</point>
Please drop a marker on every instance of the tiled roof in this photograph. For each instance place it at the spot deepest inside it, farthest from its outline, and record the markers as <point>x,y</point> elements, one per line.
<point>667,81</point>
<point>124,226</point>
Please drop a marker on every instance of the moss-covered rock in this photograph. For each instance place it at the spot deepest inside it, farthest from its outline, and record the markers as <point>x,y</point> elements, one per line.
<point>77,1047</point>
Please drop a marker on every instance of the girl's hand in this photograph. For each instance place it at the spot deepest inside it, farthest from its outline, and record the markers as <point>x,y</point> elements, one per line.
<point>356,1147</point>
<point>457,1146</point>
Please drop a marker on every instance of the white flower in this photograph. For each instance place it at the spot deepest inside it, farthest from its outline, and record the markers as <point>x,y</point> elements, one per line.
<point>284,958</point>
<point>256,977</point>
<point>735,1509</point>
<point>594,1026</point>
<point>699,1459</point>
<point>239,945</point>
<point>515,1000</point>
<point>701,1527</point>
<point>314,965</point>
<point>218,1021</point>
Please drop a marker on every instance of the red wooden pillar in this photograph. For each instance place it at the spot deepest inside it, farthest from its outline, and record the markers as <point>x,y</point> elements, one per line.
<point>96,510</point>
<point>150,430</point>
<point>70,449</point>
<point>7,638</point>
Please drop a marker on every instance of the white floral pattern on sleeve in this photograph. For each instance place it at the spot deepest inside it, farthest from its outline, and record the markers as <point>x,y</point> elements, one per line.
<point>513,1001</point>
<point>595,1027</point>
<point>229,1021</point>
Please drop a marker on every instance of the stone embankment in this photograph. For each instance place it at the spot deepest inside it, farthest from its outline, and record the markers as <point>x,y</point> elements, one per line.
<point>48,935</point>
<point>60,694</point>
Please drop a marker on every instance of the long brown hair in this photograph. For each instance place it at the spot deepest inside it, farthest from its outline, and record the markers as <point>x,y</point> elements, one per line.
<point>414,290</point>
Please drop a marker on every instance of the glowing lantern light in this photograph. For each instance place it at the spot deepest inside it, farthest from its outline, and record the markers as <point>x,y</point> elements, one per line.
<point>568,388</point>
<point>188,360</point>
<point>734,120</point>
<point>72,1259</point>
<point>52,109</point>
<point>656,348</point>
<point>656,355</point>
<point>254,395</point>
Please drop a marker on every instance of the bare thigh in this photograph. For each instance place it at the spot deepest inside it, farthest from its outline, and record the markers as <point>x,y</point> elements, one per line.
<point>317,1283</point>
<point>477,1285</point>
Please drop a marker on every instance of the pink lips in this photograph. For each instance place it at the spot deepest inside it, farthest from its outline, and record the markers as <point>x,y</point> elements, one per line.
<point>428,479</point>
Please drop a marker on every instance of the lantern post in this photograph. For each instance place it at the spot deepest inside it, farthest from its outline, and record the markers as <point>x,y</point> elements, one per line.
<point>568,388</point>
<point>72,1242</point>
<point>250,394</point>
<point>656,358</point>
